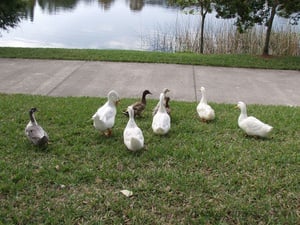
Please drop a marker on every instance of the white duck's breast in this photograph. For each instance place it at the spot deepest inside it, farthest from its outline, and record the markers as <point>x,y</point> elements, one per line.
<point>205,111</point>
<point>104,117</point>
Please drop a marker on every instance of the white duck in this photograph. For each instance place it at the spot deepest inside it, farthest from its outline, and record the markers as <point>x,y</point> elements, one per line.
<point>161,122</point>
<point>133,135</point>
<point>166,100</point>
<point>251,125</point>
<point>205,111</point>
<point>34,132</point>
<point>104,118</point>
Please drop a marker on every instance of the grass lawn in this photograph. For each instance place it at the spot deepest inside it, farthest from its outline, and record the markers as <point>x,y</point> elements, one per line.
<point>230,60</point>
<point>197,174</point>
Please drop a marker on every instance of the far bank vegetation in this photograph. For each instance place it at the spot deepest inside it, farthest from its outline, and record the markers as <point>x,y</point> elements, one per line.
<point>224,40</point>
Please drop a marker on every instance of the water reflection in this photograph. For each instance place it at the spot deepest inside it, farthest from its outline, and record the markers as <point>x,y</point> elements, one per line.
<point>81,23</point>
<point>105,24</point>
<point>12,11</point>
<point>54,6</point>
<point>106,4</point>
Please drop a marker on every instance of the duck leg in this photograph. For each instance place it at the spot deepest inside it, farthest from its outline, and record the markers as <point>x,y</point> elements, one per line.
<point>108,132</point>
<point>202,120</point>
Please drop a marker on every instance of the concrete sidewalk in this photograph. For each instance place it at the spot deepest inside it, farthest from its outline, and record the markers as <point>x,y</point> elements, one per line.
<point>85,78</point>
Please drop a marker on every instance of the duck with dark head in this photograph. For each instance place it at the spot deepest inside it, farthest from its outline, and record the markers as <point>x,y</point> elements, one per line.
<point>34,132</point>
<point>139,107</point>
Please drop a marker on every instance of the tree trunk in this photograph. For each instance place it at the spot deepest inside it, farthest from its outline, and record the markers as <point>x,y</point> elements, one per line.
<point>203,15</point>
<point>269,29</point>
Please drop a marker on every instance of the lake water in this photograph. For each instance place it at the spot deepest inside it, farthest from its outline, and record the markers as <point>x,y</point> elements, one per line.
<point>98,24</point>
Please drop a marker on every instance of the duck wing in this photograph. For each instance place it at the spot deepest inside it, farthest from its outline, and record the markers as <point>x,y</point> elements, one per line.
<point>36,134</point>
<point>255,127</point>
<point>161,123</point>
<point>133,138</point>
<point>138,108</point>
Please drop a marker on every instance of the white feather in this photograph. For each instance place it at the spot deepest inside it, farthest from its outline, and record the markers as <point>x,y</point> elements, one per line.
<point>161,123</point>
<point>104,118</point>
<point>204,110</point>
<point>251,125</point>
<point>34,132</point>
<point>133,135</point>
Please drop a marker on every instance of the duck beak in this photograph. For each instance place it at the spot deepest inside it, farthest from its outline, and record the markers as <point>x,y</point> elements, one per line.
<point>117,102</point>
<point>236,107</point>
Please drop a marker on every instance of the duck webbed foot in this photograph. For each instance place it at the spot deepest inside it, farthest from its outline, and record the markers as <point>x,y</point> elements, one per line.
<point>108,132</point>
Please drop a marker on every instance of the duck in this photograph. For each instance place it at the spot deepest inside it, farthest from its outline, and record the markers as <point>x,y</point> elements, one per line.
<point>167,99</point>
<point>34,132</point>
<point>161,123</point>
<point>168,108</point>
<point>133,135</point>
<point>251,125</point>
<point>104,118</point>
<point>205,111</point>
<point>139,106</point>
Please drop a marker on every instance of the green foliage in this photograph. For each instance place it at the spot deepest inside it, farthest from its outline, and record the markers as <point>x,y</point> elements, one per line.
<point>245,11</point>
<point>253,12</point>
<point>10,13</point>
<point>194,6</point>
<point>262,12</point>
<point>205,5</point>
<point>197,174</point>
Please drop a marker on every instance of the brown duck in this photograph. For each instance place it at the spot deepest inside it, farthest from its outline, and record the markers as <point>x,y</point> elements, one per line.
<point>166,103</point>
<point>139,106</point>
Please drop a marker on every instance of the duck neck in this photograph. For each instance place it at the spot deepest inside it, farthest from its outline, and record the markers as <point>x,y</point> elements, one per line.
<point>32,117</point>
<point>161,108</point>
<point>111,102</point>
<point>144,98</point>
<point>203,98</point>
<point>243,114</point>
<point>167,103</point>
<point>131,121</point>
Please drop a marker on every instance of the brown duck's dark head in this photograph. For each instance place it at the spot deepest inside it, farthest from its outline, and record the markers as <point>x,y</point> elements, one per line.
<point>146,92</point>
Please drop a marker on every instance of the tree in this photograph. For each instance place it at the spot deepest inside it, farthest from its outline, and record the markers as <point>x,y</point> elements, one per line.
<point>262,12</point>
<point>11,12</point>
<point>202,6</point>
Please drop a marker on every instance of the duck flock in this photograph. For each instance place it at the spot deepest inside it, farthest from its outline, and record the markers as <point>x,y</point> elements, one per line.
<point>104,120</point>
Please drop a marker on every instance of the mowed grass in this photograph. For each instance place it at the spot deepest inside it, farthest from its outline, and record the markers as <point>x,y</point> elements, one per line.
<point>226,60</point>
<point>197,174</point>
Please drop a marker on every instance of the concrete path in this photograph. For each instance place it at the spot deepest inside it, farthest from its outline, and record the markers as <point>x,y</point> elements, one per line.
<point>85,78</point>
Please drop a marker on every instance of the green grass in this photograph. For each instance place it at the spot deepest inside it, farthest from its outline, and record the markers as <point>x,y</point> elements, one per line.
<point>230,60</point>
<point>197,174</point>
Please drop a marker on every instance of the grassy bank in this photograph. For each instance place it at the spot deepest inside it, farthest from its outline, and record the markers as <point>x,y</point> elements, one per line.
<point>197,174</point>
<point>246,61</point>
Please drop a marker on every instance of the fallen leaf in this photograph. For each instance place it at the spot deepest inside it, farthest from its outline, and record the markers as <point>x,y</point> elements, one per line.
<point>127,193</point>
